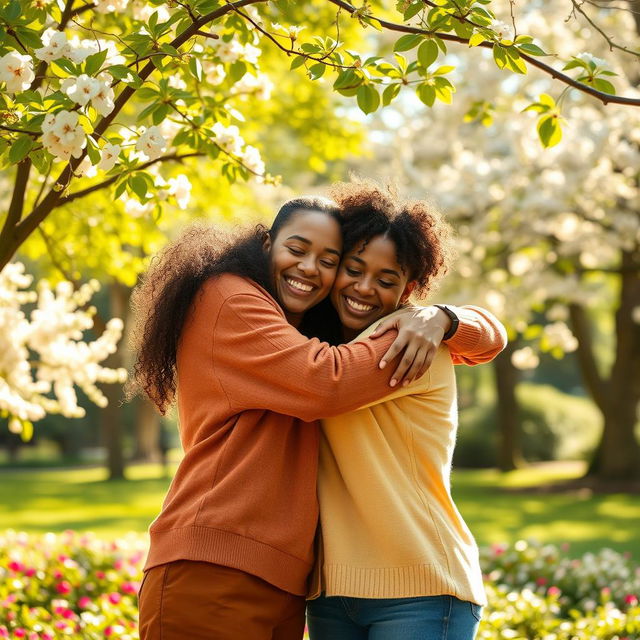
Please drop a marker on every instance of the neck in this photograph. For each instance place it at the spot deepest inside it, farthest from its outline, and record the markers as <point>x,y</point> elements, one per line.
<point>294,319</point>
<point>349,334</point>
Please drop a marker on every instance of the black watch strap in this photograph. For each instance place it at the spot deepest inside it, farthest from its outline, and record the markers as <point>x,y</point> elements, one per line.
<point>455,321</point>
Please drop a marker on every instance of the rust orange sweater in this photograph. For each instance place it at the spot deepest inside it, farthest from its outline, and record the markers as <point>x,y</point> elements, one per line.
<point>250,388</point>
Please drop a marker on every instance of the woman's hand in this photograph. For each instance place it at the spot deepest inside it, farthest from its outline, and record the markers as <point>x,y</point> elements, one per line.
<point>420,331</point>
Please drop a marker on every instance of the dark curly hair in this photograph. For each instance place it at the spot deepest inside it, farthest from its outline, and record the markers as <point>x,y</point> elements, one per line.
<point>164,296</point>
<point>420,234</point>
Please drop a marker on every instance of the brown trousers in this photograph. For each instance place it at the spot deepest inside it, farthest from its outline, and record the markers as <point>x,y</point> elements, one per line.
<point>187,600</point>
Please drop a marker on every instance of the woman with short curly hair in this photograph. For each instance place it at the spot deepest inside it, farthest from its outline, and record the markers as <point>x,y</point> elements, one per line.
<point>396,560</point>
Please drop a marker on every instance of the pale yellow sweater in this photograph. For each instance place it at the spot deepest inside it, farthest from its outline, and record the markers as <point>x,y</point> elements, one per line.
<point>389,527</point>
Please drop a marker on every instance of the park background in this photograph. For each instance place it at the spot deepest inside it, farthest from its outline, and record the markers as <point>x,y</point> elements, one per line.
<point>538,175</point>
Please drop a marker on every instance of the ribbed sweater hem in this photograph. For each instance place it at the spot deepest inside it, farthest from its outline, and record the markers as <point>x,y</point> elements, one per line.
<point>398,582</point>
<point>205,544</point>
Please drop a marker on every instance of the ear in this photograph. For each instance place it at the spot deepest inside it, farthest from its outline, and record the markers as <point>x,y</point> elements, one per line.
<point>407,291</point>
<point>266,243</point>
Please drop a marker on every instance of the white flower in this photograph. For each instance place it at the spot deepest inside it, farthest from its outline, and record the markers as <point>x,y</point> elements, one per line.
<point>143,10</point>
<point>85,168</point>
<point>55,46</point>
<point>501,29</point>
<point>103,100</point>
<point>177,83</point>
<point>587,57</point>
<point>251,54</point>
<point>525,358</point>
<point>228,138</point>
<point>252,160</point>
<point>136,209</point>
<point>180,188</point>
<point>62,136</point>
<point>260,86</point>
<point>110,153</point>
<point>228,51</point>
<point>16,70</point>
<point>558,334</point>
<point>81,89</point>
<point>151,143</point>
<point>79,50</point>
<point>291,32</point>
<point>214,73</point>
<point>110,6</point>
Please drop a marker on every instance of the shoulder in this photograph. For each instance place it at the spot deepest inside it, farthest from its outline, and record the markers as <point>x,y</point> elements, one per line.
<point>220,289</point>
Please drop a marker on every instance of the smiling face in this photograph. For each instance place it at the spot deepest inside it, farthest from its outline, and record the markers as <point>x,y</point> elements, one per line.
<point>370,284</point>
<point>304,260</point>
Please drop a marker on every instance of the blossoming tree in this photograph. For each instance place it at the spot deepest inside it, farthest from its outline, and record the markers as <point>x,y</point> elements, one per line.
<point>552,232</point>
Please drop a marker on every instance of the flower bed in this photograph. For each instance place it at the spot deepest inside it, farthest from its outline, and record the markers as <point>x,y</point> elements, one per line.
<point>78,587</point>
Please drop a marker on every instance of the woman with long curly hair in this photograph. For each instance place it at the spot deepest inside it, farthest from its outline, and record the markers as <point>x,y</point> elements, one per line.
<point>396,560</point>
<point>232,548</point>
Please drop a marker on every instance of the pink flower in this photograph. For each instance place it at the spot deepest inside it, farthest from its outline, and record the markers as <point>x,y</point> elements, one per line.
<point>17,567</point>
<point>100,575</point>
<point>60,624</point>
<point>605,591</point>
<point>84,602</point>
<point>118,564</point>
<point>3,632</point>
<point>57,574</point>
<point>114,598</point>
<point>631,599</point>
<point>565,546</point>
<point>63,587</point>
<point>108,631</point>
<point>19,632</point>
<point>553,591</point>
<point>30,573</point>
<point>129,587</point>
<point>540,581</point>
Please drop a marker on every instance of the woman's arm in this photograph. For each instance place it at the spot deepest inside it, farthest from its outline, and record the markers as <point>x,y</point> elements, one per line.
<point>478,337</point>
<point>262,362</point>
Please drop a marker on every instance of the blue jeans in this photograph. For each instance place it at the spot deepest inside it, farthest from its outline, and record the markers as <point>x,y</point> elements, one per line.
<point>423,618</point>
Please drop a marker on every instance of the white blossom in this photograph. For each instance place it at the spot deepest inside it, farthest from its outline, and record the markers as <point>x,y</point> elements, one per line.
<point>228,51</point>
<point>228,138</point>
<point>180,189</point>
<point>16,71</point>
<point>81,89</point>
<point>214,72</point>
<point>56,46</point>
<point>151,143</point>
<point>54,332</point>
<point>109,157</point>
<point>63,136</point>
<point>111,6</point>
<point>525,358</point>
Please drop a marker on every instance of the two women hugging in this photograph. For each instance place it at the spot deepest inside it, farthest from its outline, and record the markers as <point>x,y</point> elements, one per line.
<point>317,413</point>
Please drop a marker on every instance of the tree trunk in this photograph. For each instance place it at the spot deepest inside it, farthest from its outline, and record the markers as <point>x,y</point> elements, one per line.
<point>617,456</point>
<point>507,377</point>
<point>147,431</point>
<point>112,420</point>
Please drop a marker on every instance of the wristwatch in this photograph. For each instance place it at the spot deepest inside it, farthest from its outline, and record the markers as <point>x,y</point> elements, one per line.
<point>454,321</point>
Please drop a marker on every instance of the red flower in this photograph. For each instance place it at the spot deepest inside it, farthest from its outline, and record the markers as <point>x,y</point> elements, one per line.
<point>63,587</point>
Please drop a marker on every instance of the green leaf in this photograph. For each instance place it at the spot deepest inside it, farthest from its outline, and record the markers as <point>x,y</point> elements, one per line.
<point>604,85</point>
<point>237,70</point>
<point>413,10</point>
<point>499,56</point>
<point>20,148</point>
<point>298,61</point>
<point>514,61</point>
<point>120,187</point>
<point>368,98</point>
<point>390,93</point>
<point>147,93</point>
<point>402,62</point>
<point>427,94</point>
<point>127,75</point>
<point>546,99</point>
<point>138,185</point>
<point>195,67</point>
<point>66,65</point>
<point>440,71</point>
<point>13,11</point>
<point>94,62</point>
<point>407,42</point>
<point>572,64</point>
<point>347,80</point>
<point>317,70</point>
<point>160,113</point>
<point>29,37</point>
<point>476,39</point>
<point>41,161</point>
<point>549,130</point>
<point>532,49</point>
<point>427,53</point>
<point>146,112</point>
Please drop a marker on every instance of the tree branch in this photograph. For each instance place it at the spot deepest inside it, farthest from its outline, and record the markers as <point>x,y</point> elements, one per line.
<point>605,98</point>
<point>593,380</point>
<point>53,197</point>
<point>109,181</point>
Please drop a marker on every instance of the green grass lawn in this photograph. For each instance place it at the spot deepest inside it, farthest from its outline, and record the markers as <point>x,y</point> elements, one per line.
<point>82,499</point>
